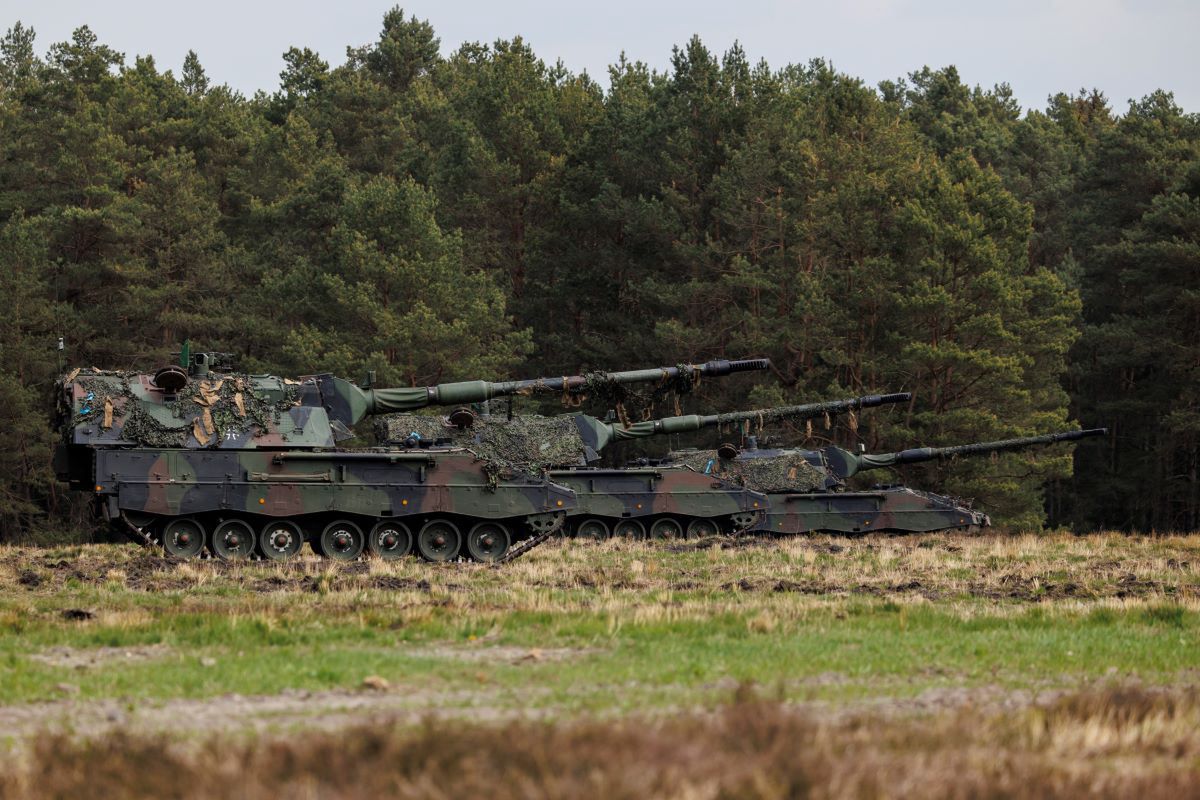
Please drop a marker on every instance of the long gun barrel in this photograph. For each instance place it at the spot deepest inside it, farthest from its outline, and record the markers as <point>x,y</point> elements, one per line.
<point>844,463</point>
<point>350,404</point>
<point>598,435</point>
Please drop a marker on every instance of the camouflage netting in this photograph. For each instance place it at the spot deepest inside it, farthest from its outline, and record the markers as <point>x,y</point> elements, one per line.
<point>633,404</point>
<point>785,473</point>
<point>398,427</point>
<point>758,420</point>
<point>526,443</point>
<point>529,443</point>
<point>207,409</point>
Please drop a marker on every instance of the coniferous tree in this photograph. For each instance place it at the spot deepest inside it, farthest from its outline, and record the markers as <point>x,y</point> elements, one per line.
<point>1132,371</point>
<point>487,213</point>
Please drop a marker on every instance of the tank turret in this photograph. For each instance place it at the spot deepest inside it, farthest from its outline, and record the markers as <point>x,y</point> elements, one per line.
<point>845,464</point>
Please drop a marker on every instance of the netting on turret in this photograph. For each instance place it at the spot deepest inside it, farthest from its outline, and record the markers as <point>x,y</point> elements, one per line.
<point>784,473</point>
<point>206,409</point>
<point>396,428</point>
<point>527,443</point>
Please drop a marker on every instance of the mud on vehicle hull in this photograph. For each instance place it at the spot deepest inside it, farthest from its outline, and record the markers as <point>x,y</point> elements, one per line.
<point>897,509</point>
<point>441,504</point>
<point>660,502</point>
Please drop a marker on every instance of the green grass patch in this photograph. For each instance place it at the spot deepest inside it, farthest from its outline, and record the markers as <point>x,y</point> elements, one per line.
<point>608,662</point>
<point>619,626</point>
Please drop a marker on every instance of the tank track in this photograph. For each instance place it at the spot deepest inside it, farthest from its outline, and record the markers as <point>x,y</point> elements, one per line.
<point>528,544</point>
<point>554,527</point>
<point>136,534</point>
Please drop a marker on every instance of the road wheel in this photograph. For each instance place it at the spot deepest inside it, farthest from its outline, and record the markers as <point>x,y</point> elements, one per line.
<point>592,529</point>
<point>233,540</point>
<point>700,528</point>
<point>666,528</point>
<point>280,540</point>
<point>183,538</point>
<point>488,541</point>
<point>629,529</point>
<point>390,540</point>
<point>438,540</point>
<point>342,540</point>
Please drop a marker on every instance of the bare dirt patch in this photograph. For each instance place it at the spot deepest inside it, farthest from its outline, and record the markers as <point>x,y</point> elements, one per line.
<point>82,658</point>
<point>495,654</point>
<point>327,710</point>
<point>395,705</point>
<point>375,697</point>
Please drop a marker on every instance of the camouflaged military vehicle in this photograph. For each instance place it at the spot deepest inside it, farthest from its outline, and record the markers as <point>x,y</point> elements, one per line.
<point>661,501</point>
<point>198,457</point>
<point>808,492</point>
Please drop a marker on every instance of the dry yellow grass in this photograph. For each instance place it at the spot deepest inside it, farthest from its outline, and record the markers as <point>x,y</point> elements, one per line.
<point>644,582</point>
<point>1120,742</point>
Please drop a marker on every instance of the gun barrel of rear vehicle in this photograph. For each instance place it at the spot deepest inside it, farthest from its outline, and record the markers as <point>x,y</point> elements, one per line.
<point>866,461</point>
<point>982,448</point>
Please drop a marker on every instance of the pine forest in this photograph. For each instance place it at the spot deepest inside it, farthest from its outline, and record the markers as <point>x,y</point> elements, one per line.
<point>489,215</point>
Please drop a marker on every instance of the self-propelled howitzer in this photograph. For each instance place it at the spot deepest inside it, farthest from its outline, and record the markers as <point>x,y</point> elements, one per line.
<point>807,488</point>
<point>578,439</point>
<point>667,501</point>
<point>244,464</point>
<point>661,501</point>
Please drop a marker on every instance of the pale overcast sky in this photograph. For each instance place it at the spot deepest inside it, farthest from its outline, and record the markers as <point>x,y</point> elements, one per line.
<point>1126,49</point>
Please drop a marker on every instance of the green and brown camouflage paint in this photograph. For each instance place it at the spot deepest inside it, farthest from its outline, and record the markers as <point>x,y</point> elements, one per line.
<point>807,488</point>
<point>660,502</point>
<point>241,463</point>
<point>674,500</point>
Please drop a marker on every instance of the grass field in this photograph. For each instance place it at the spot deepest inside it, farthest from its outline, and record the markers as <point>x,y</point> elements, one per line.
<point>916,666</point>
